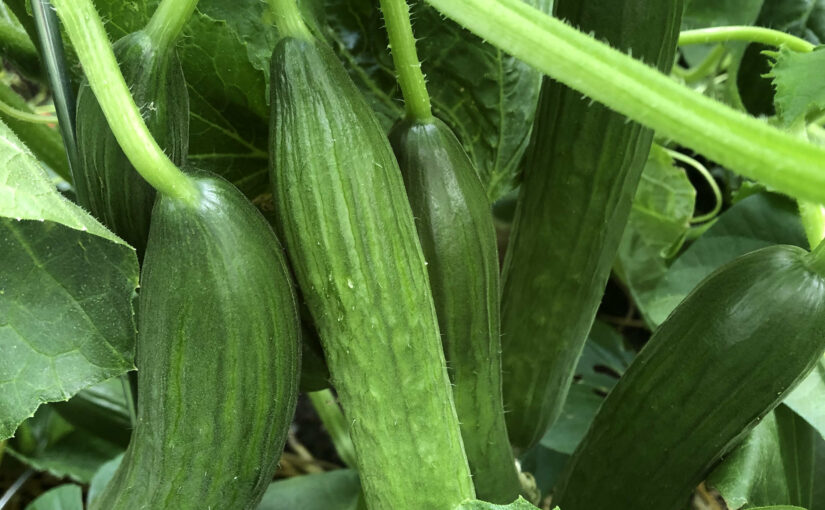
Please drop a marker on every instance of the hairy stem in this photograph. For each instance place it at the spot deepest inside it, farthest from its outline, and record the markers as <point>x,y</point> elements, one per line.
<point>288,19</point>
<point>407,66</point>
<point>168,21</point>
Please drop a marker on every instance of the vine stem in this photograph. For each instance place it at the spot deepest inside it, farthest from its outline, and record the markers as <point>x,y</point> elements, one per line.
<point>288,19</point>
<point>33,118</point>
<point>94,51</point>
<point>407,66</point>
<point>333,419</point>
<point>706,175</point>
<point>733,139</point>
<point>762,35</point>
<point>168,21</point>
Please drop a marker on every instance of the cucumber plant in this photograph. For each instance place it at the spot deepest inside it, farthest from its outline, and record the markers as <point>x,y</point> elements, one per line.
<point>535,253</point>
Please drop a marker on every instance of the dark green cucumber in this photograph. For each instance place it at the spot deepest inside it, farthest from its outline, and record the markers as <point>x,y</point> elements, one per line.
<point>106,182</point>
<point>218,356</point>
<point>351,238</point>
<point>455,227</point>
<point>581,171</point>
<point>726,356</point>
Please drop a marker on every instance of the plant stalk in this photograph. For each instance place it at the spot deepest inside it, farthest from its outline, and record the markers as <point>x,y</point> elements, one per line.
<point>407,66</point>
<point>733,139</point>
<point>168,21</point>
<point>288,19</point>
<point>85,29</point>
<point>762,35</point>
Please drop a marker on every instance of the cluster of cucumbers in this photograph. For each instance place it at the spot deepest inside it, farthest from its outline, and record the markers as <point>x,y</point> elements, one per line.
<point>443,368</point>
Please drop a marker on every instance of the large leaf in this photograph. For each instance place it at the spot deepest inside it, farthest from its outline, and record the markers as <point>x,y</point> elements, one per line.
<point>804,18</point>
<point>773,466</point>
<point>333,490</point>
<point>660,218</point>
<point>808,399</point>
<point>63,497</point>
<point>66,292</point>
<point>756,222</point>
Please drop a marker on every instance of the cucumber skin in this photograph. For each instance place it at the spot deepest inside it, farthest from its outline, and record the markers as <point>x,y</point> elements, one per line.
<point>218,356</point>
<point>351,238</point>
<point>727,356</point>
<point>581,172</point>
<point>455,226</point>
<point>106,182</point>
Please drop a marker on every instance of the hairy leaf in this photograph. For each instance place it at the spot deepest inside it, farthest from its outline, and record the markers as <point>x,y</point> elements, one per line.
<point>800,84</point>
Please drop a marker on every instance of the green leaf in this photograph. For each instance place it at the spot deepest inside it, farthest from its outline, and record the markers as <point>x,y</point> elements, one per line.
<point>774,465</point>
<point>803,18</point>
<point>756,222</point>
<point>603,361</point>
<point>800,85</point>
<point>333,490</point>
<point>54,446</point>
<point>101,478</point>
<point>659,220</point>
<point>62,497</point>
<point>520,504</point>
<point>66,291</point>
<point>808,399</point>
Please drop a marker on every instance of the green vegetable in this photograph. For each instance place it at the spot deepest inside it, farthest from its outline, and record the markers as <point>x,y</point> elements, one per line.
<point>352,242</point>
<point>581,173</point>
<point>728,355</point>
<point>106,182</point>
<point>218,356</point>
<point>455,227</point>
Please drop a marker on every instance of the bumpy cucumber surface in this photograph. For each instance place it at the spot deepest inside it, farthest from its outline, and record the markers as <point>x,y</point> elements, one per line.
<point>218,356</point>
<point>455,227</point>
<point>723,359</point>
<point>351,238</point>
<point>582,169</point>
<point>105,181</point>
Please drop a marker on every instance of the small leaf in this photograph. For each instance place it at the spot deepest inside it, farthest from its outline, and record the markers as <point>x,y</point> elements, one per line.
<point>773,465</point>
<point>808,399</point>
<point>101,478</point>
<point>519,504</point>
<point>63,497</point>
<point>333,490</point>
<point>800,84</point>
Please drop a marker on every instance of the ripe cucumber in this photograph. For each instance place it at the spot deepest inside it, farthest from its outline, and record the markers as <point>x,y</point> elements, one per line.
<point>218,355</point>
<point>106,182</point>
<point>726,357</point>
<point>351,238</point>
<point>455,227</point>
<point>582,168</point>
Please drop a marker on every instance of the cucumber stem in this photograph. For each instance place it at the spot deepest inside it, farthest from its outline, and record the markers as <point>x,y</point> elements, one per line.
<point>733,139</point>
<point>32,118</point>
<point>288,19</point>
<point>168,21</point>
<point>333,419</point>
<point>762,35</point>
<point>717,193</point>
<point>407,66</point>
<point>94,51</point>
<point>706,67</point>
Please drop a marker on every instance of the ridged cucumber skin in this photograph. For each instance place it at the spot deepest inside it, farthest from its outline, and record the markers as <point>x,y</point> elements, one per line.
<point>351,238</point>
<point>727,356</point>
<point>456,231</point>
<point>218,356</point>
<point>106,182</point>
<point>581,171</point>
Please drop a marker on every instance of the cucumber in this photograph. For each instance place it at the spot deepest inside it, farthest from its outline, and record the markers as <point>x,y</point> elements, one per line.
<point>581,171</point>
<point>726,356</point>
<point>351,239</point>
<point>455,227</point>
<point>106,182</point>
<point>218,356</point>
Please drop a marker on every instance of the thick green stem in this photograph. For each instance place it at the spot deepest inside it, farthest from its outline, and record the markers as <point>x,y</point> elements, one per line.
<point>333,419</point>
<point>94,51</point>
<point>168,20</point>
<point>762,35</point>
<point>288,19</point>
<point>407,66</point>
<point>733,139</point>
